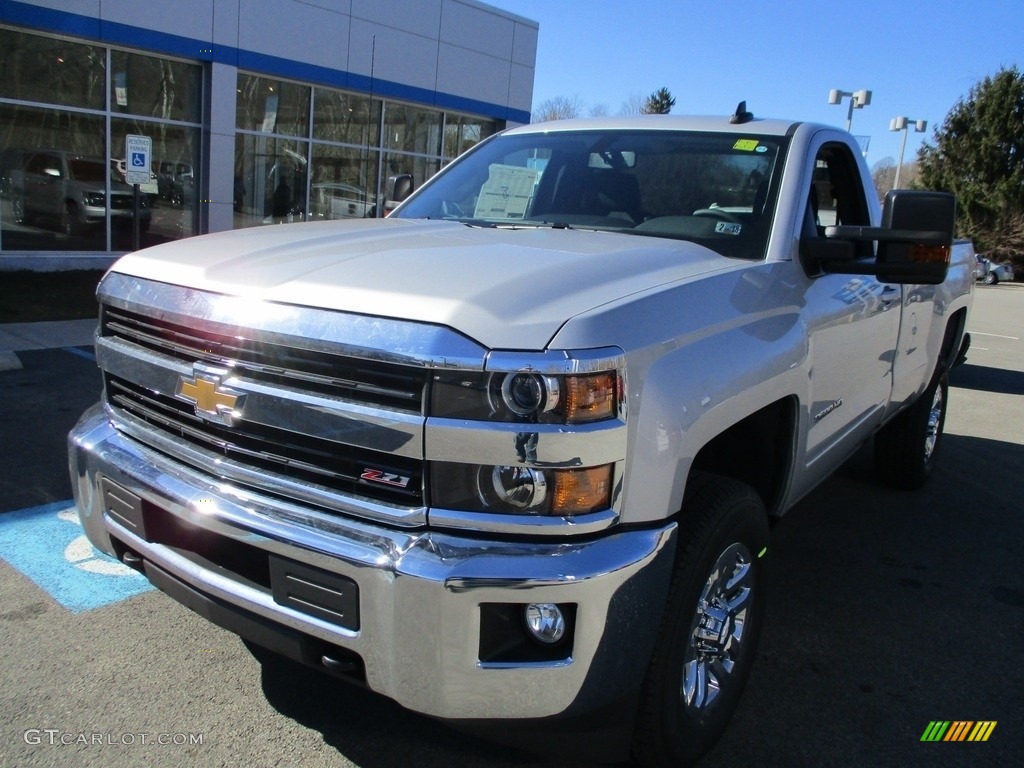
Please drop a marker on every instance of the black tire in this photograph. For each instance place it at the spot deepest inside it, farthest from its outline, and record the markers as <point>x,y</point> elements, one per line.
<point>695,678</point>
<point>906,447</point>
<point>990,279</point>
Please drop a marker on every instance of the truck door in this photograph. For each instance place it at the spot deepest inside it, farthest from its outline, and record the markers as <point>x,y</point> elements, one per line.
<point>852,321</point>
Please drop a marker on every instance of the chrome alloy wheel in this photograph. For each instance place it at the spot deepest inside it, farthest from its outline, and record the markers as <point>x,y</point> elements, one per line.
<point>717,631</point>
<point>934,425</point>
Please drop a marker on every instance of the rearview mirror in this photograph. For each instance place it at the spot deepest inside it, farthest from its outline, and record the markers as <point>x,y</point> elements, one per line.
<point>399,187</point>
<point>914,241</point>
<point>926,219</point>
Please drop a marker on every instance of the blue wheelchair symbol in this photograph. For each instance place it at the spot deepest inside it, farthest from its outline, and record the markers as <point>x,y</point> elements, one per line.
<point>138,159</point>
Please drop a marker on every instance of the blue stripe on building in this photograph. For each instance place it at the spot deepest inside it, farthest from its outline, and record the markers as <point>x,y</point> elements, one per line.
<point>114,33</point>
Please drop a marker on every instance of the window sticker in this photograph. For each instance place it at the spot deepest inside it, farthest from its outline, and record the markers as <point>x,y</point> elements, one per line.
<point>728,228</point>
<point>507,192</point>
<point>746,145</point>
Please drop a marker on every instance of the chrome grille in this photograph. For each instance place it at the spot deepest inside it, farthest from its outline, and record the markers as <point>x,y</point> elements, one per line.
<point>330,465</point>
<point>361,381</point>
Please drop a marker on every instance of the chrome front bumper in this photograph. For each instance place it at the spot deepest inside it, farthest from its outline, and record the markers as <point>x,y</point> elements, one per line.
<point>419,592</point>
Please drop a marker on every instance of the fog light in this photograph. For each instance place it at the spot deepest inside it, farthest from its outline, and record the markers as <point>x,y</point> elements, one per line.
<point>545,622</point>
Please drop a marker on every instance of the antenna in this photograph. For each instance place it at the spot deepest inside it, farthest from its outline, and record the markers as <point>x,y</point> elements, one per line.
<point>741,115</point>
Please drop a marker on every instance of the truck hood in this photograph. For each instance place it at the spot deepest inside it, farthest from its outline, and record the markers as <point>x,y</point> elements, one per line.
<point>504,288</point>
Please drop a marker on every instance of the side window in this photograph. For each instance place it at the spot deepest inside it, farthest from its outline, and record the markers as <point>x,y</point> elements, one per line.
<point>41,163</point>
<point>836,195</point>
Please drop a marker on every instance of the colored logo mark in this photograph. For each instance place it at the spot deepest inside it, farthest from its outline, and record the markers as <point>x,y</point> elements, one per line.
<point>959,730</point>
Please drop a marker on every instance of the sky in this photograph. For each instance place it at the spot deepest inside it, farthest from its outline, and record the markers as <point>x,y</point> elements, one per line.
<point>917,58</point>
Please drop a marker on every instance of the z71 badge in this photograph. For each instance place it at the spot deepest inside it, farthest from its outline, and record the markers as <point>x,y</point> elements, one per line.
<point>385,478</point>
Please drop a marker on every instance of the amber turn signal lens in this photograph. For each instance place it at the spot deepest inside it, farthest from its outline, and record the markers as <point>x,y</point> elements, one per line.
<point>590,398</point>
<point>929,254</point>
<point>578,491</point>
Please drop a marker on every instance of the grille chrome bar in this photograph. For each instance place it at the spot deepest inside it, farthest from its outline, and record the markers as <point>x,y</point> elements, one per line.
<point>317,422</point>
<point>382,385</point>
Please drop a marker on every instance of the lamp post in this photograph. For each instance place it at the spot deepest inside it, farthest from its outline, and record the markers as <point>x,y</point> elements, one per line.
<point>901,124</point>
<point>858,100</point>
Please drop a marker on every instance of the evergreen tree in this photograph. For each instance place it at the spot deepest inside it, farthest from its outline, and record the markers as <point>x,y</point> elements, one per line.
<point>978,154</point>
<point>659,103</point>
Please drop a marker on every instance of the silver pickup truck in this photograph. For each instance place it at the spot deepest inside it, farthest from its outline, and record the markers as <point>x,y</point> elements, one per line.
<point>512,454</point>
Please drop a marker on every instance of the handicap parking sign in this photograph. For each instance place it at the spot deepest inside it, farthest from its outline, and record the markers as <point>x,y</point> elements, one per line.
<point>138,150</point>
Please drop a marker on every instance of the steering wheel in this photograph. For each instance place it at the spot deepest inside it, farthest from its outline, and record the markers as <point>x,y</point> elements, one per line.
<point>718,213</point>
<point>451,210</point>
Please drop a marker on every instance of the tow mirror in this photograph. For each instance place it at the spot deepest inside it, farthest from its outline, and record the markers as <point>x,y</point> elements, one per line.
<point>397,189</point>
<point>914,241</point>
<point>919,226</point>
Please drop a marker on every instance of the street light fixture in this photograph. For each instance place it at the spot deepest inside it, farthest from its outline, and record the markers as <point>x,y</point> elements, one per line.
<point>902,124</point>
<point>858,100</point>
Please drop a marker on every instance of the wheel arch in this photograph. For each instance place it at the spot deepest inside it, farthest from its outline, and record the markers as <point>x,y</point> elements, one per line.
<point>759,450</point>
<point>953,349</point>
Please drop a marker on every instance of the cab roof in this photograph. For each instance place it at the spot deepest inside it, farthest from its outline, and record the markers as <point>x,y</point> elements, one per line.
<point>703,123</point>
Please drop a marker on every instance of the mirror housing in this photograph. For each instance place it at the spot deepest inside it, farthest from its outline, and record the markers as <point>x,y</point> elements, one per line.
<point>396,190</point>
<point>914,241</point>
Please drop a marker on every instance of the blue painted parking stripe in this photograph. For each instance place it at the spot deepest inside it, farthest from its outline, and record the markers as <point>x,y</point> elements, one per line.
<point>47,544</point>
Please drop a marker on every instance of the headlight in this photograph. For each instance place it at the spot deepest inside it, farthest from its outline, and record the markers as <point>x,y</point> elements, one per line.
<point>527,394</point>
<point>527,397</point>
<point>520,490</point>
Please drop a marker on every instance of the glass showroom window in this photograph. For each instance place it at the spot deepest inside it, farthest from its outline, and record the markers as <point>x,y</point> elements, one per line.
<point>271,151</point>
<point>462,132</point>
<point>61,174</point>
<point>344,184</point>
<point>270,179</point>
<point>40,69</point>
<point>346,133</point>
<point>159,91</point>
<point>337,167</point>
<point>412,136</point>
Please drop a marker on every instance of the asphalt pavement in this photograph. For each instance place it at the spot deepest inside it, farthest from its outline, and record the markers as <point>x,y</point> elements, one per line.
<point>887,611</point>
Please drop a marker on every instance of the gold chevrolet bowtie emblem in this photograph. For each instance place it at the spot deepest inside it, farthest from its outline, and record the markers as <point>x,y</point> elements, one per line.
<point>212,400</point>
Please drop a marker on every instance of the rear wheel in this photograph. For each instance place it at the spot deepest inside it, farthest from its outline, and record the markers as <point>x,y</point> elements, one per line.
<point>709,634</point>
<point>905,449</point>
<point>990,279</point>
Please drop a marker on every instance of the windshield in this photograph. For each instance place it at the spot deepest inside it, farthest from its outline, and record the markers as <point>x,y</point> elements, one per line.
<point>87,170</point>
<point>708,188</point>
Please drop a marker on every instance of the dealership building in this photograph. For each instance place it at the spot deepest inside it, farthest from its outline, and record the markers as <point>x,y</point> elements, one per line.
<point>252,112</point>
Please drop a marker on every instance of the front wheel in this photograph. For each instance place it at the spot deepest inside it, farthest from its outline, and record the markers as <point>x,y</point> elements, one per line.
<point>905,448</point>
<point>712,621</point>
<point>990,279</point>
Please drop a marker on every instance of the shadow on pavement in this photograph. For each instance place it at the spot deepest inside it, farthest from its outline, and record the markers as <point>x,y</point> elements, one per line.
<point>984,379</point>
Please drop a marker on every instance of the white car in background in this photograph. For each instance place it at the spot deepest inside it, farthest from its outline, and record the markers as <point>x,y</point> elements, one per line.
<point>340,201</point>
<point>990,273</point>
